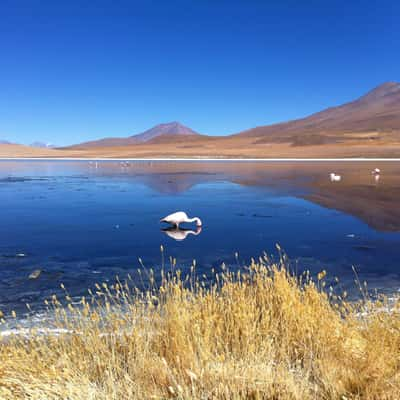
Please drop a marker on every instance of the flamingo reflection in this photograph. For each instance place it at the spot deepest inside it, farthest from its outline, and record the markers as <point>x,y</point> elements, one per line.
<point>180,234</point>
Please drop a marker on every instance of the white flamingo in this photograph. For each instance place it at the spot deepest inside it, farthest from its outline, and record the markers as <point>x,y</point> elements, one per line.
<point>180,217</point>
<point>335,178</point>
<point>181,234</point>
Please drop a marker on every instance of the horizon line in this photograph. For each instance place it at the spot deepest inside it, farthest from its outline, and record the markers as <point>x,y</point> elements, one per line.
<point>352,159</point>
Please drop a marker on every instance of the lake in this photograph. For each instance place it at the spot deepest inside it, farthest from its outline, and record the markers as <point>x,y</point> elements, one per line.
<point>80,222</point>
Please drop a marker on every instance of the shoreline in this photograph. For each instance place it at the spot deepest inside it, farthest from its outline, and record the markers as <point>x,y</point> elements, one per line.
<point>201,159</point>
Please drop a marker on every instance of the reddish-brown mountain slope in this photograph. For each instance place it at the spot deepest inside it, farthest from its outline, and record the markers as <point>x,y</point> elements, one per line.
<point>171,129</point>
<point>375,112</point>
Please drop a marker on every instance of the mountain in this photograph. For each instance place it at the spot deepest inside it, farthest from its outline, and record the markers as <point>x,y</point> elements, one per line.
<point>5,142</point>
<point>42,145</point>
<point>373,113</point>
<point>368,126</point>
<point>170,130</point>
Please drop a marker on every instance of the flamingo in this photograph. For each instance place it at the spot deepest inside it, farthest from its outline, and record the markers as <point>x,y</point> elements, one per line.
<point>180,234</point>
<point>179,217</point>
<point>335,178</point>
<point>376,171</point>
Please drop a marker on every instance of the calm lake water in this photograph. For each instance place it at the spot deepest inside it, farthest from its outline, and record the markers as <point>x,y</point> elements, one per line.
<point>81,223</point>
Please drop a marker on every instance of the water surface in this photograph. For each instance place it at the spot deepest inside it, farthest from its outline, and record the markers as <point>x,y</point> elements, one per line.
<point>79,223</point>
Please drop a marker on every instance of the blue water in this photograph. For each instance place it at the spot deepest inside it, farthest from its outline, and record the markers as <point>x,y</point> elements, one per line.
<point>80,224</point>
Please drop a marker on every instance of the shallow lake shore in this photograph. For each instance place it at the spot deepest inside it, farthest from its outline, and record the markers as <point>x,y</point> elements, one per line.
<point>262,333</point>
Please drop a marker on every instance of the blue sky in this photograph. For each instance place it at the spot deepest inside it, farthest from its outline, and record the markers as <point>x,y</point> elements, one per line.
<point>75,71</point>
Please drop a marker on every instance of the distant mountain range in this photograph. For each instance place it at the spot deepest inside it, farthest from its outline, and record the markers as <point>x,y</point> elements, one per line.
<point>366,126</point>
<point>42,145</point>
<point>37,144</point>
<point>173,130</point>
<point>366,118</point>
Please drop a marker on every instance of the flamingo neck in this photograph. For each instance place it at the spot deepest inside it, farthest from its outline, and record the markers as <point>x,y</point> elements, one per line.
<point>194,233</point>
<point>195,219</point>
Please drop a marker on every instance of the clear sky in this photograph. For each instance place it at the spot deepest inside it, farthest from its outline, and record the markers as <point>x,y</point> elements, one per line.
<point>72,71</point>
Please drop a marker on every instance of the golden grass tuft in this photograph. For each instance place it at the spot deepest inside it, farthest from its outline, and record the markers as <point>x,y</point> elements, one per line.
<point>258,334</point>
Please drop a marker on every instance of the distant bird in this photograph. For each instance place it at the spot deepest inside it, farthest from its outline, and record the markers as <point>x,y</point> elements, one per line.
<point>335,178</point>
<point>180,217</point>
<point>376,171</point>
<point>180,234</point>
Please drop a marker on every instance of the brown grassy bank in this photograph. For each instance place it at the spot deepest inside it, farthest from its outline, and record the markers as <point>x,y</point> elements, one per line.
<point>259,334</point>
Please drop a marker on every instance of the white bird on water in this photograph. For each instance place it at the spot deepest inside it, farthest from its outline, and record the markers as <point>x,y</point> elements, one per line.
<point>180,217</point>
<point>376,171</point>
<point>335,178</point>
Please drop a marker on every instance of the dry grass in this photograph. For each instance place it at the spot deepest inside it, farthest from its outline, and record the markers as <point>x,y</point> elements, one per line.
<point>258,334</point>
